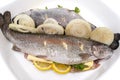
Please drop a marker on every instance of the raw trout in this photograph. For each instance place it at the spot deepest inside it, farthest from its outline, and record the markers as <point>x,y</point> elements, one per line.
<point>58,48</point>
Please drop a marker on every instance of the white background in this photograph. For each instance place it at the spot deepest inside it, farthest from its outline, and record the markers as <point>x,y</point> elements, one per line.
<point>111,74</point>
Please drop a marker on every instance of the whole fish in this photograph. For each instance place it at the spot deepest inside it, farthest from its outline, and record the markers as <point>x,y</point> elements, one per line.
<point>58,48</point>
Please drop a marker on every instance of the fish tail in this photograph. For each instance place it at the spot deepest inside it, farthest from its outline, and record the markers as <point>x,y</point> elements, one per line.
<point>1,20</point>
<point>7,17</point>
<point>5,20</point>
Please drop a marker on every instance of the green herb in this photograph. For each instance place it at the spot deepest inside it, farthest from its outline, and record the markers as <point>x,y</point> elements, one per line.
<point>46,7</point>
<point>79,66</point>
<point>59,6</point>
<point>77,10</point>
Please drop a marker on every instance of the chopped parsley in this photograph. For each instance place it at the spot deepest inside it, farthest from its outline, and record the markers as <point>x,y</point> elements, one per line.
<point>79,66</point>
<point>46,7</point>
<point>76,10</point>
<point>59,6</point>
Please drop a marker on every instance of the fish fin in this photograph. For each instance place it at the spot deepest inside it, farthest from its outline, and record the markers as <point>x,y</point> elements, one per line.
<point>25,55</point>
<point>15,48</point>
<point>42,56</point>
<point>7,17</point>
<point>1,20</point>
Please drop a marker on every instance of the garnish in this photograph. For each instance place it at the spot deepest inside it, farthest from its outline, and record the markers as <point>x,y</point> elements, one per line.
<point>46,7</point>
<point>42,65</point>
<point>79,66</point>
<point>59,6</point>
<point>76,10</point>
<point>61,68</point>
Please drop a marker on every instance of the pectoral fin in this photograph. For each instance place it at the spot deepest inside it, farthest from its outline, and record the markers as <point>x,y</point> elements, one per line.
<point>15,48</point>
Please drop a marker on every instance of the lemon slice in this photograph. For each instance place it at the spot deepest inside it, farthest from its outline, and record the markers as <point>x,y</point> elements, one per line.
<point>41,65</point>
<point>61,68</point>
<point>89,64</point>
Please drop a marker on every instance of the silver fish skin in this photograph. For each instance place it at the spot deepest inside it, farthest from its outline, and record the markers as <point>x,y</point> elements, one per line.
<point>58,48</point>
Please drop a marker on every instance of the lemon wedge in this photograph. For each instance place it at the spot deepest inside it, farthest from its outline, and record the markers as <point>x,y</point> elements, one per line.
<point>61,68</point>
<point>89,64</point>
<point>42,66</point>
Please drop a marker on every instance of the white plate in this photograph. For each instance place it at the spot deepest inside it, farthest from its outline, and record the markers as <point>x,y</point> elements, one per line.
<point>93,11</point>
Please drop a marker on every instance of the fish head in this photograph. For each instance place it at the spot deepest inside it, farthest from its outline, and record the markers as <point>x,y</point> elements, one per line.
<point>102,51</point>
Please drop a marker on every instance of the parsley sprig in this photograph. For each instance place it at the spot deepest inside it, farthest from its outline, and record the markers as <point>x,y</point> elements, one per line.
<point>59,6</point>
<point>76,10</point>
<point>79,66</point>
